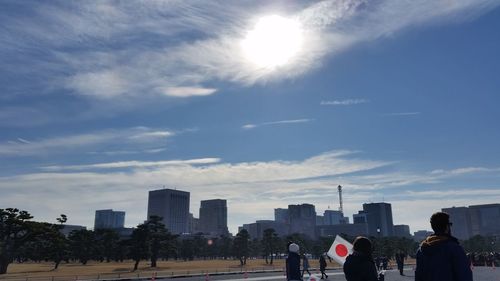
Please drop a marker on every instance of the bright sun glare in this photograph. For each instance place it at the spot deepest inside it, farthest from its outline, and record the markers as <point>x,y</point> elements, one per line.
<point>273,41</point>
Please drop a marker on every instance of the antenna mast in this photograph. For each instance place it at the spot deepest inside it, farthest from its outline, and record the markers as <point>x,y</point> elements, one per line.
<point>341,208</point>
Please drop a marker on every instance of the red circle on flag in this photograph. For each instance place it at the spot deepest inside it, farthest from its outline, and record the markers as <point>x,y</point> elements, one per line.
<point>341,250</point>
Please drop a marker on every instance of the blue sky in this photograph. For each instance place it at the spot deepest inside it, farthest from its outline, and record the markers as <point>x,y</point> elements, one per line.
<point>395,100</point>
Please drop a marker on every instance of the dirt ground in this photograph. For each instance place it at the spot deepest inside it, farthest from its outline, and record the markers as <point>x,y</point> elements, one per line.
<point>92,268</point>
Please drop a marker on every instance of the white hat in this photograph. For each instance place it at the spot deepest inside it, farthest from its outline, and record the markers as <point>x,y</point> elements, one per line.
<point>294,248</point>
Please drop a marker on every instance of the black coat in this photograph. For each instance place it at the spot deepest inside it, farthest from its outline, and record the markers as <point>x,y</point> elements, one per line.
<point>293,267</point>
<point>359,267</point>
<point>441,258</point>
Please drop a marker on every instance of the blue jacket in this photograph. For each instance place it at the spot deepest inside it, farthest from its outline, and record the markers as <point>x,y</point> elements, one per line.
<point>441,258</point>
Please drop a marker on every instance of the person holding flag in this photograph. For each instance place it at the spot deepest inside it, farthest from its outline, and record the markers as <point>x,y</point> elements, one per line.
<point>359,266</point>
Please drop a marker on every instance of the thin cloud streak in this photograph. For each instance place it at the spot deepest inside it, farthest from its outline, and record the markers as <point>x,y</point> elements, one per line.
<point>403,113</point>
<point>60,144</point>
<point>132,164</point>
<point>344,102</point>
<point>282,122</point>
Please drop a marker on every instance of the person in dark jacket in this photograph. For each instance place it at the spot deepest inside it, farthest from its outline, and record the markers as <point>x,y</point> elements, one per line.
<point>359,266</point>
<point>293,263</point>
<point>322,266</point>
<point>440,257</point>
<point>400,260</point>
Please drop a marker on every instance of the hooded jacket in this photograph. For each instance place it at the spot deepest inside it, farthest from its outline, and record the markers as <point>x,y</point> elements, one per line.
<point>360,267</point>
<point>441,258</point>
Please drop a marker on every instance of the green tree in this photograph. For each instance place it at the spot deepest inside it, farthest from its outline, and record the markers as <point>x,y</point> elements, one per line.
<point>16,229</point>
<point>157,237</point>
<point>269,244</point>
<point>241,246</point>
<point>57,243</point>
<point>139,245</point>
<point>187,249</point>
<point>224,245</point>
<point>107,239</point>
<point>82,244</point>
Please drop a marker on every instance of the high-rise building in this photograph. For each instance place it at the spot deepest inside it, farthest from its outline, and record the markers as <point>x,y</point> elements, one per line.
<point>355,229</point>
<point>109,219</point>
<point>193,224</point>
<point>420,235</point>
<point>302,219</point>
<point>172,206</point>
<point>360,217</point>
<point>256,230</point>
<point>460,217</point>
<point>485,219</point>
<point>379,219</point>
<point>281,215</point>
<point>213,217</point>
<point>474,220</point>
<point>332,217</point>
<point>402,230</point>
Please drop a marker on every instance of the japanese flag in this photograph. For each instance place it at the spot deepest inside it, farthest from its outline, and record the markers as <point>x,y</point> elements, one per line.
<point>339,250</point>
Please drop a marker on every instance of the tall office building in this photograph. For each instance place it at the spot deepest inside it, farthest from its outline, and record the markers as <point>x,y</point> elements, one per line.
<point>302,219</point>
<point>109,219</point>
<point>379,219</point>
<point>474,220</point>
<point>281,215</point>
<point>213,217</point>
<point>332,217</point>
<point>173,206</point>
<point>485,219</point>
<point>360,217</point>
<point>402,230</point>
<point>256,230</point>
<point>460,217</point>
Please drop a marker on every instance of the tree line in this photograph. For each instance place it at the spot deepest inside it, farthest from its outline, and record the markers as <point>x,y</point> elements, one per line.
<point>22,239</point>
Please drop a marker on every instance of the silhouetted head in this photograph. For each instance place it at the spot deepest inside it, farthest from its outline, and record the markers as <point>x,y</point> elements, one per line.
<point>363,245</point>
<point>440,222</point>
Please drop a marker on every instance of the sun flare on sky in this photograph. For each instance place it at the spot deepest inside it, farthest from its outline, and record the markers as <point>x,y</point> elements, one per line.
<point>273,42</point>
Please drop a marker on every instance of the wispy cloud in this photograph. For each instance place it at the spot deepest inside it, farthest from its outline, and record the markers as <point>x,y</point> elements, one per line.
<point>282,122</point>
<point>183,92</point>
<point>210,50</point>
<point>132,164</point>
<point>403,113</point>
<point>344,102</point>
<point>67,143</point>
<point>266,184</point>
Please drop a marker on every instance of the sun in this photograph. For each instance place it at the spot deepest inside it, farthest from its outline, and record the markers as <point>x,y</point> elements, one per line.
<point>273,42</point>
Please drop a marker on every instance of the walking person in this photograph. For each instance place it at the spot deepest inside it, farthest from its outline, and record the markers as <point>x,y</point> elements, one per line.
<point>322,266</point>
<point>400,260</point>
<point>305,265</point>
<point>293,263</point>
<point>360,266</point>
<point>440,257</point>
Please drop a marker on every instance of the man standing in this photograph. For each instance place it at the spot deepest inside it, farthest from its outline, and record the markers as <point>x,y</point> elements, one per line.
<point>440,257</point>
<point>400,260</point>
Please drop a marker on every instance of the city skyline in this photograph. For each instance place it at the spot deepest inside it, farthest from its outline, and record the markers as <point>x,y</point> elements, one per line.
<point>102,101</point>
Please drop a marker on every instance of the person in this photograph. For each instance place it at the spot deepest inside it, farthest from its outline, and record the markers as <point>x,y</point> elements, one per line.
<point>305,265</point>
<point>322,266</point>
<point>385,262</point>
<point>293,263</point>
<point>400,260</point>
<point>440,257</point>
<point>360,266</point>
